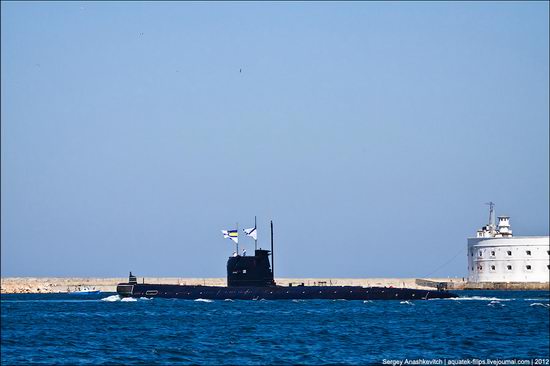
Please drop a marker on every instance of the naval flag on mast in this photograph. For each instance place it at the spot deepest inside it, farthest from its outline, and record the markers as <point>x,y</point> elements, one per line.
<point>231,234</point>
<point>251,232</point>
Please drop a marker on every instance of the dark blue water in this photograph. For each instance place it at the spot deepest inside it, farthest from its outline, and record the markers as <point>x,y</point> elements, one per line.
<point>67,329</point>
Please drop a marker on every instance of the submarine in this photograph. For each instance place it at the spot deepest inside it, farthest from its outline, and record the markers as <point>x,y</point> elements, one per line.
<point>252,278</point>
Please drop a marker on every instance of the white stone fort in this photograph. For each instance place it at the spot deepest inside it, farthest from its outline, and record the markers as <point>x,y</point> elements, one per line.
<point>495,255</point>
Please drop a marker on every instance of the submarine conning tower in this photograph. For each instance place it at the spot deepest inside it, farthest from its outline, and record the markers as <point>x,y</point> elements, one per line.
<point>250,271</point>
<point>253,271</point>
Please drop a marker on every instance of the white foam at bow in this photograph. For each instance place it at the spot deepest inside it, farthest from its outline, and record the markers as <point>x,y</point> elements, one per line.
<point>111,298</point>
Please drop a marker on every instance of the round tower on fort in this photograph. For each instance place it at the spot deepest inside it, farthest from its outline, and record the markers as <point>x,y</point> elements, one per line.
<point>495,255</point>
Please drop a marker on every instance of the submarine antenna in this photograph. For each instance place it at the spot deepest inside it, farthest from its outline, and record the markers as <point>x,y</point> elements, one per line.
<point>272,260</point>
<point>255,240</point>
<point>237,243</point>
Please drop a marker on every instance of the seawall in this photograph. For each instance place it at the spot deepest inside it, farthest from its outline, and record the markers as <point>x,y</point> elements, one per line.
<point>66,284</point>
<point>16,285</point>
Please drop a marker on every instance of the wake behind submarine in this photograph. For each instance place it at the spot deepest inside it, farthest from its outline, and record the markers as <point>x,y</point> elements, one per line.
<point>251,278</point>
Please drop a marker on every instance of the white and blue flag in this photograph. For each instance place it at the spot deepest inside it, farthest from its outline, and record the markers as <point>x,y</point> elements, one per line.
<point>231,234</point>
<point>251,232</point>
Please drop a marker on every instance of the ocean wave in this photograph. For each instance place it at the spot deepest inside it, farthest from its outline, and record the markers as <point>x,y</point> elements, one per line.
<point>229,300</point>
<point>540,304</point>
<point>406,302</point>
<point>477,298</point>
<point>495,303</point>
<point>204,300</point>
<point>128,299</point>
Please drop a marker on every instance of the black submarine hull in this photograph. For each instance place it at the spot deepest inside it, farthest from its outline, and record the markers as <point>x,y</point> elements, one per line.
<point>278,292</point>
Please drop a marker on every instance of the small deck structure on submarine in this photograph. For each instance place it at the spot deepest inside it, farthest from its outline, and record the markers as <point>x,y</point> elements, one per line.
<point>252,278</point>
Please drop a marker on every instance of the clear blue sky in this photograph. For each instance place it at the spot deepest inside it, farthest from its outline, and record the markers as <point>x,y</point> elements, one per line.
<point>371,133</point>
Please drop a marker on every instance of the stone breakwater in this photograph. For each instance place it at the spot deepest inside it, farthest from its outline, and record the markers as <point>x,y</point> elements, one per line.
<point>37,285</point>
<point>17,285</point>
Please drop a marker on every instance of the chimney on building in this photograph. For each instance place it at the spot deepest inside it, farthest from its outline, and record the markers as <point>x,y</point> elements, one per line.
<point>504,226</point>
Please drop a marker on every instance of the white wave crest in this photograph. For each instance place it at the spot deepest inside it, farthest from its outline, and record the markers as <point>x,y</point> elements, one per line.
<point>146,298</point>
<point>540,304</point>
<point>230,300</point>
<point>477,298</point>
<point>406,302</point>
<point>128,299</point>
<point>367,301</point>
<point>111,298</point>
<point>204,300</point>
<point>495,303</point>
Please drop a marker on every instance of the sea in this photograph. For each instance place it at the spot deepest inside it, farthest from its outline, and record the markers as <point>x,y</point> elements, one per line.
<point>476,328</point>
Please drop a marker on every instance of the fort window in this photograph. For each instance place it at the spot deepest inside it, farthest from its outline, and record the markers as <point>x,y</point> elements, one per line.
<point>509,252</point>
<point>528,267</point>
<point>509,267</point>
<point>493,253</point>
<point>528,252</point>
<point>480,253</point>
<point>492,268</point>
